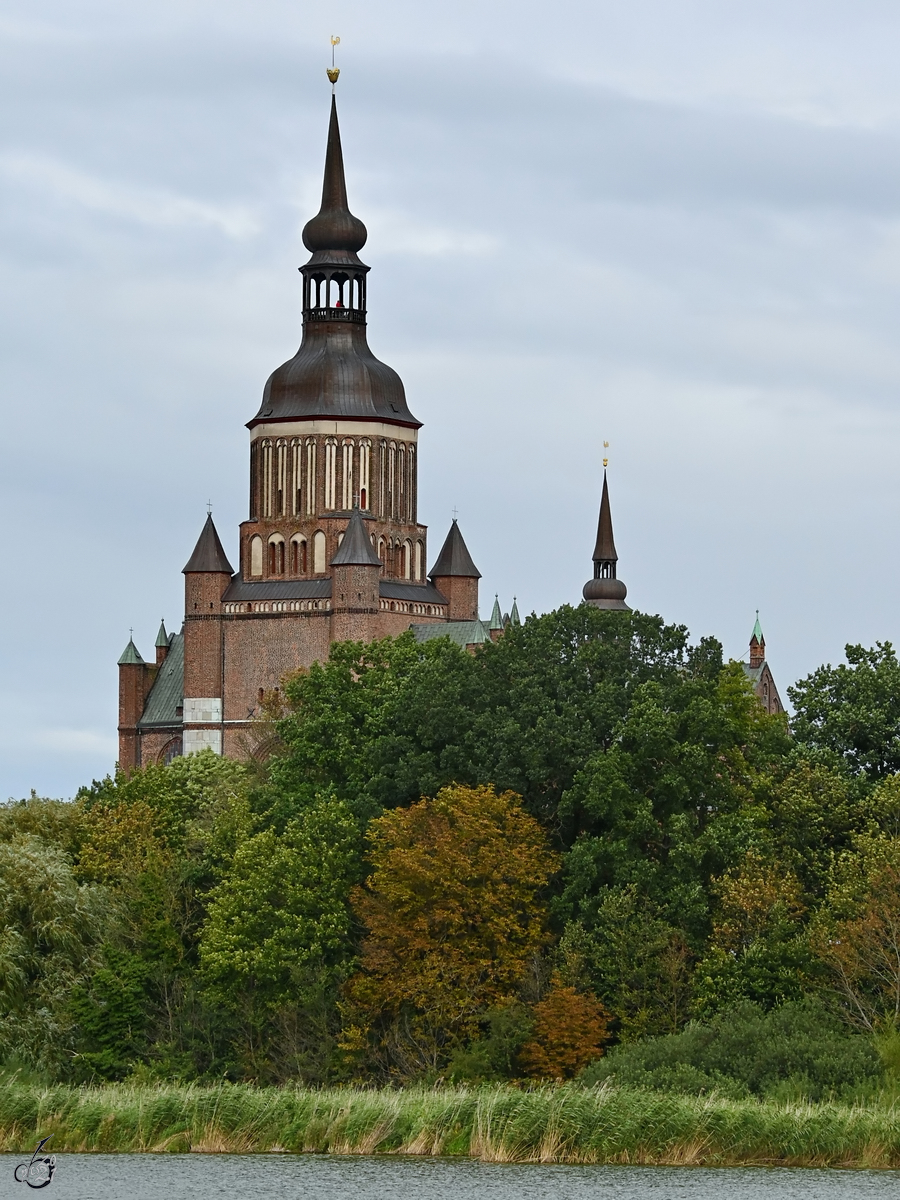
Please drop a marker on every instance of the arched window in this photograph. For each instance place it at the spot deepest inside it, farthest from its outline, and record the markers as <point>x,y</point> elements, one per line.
<point>298,555</point>
<point>310,476</point>
<point>381,554</point>
<point>365,449</point>
<point>256,556</point>
<point>330,473</point>
<point>412,504</point>
<point>401,482</point>
<point>417,561</point>
<point>280,476</point>
<point>276,554</point>
<point>382,479</point>
<point>347,474</point>
<point>172,749</point>
<point>296,483</point>
<point>318,552</point>
<point>267,478</point>
<point>407,559</point>
<point>392,479</point>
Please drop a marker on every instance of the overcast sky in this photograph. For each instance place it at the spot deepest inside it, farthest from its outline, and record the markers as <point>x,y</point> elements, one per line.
<point>672,225</point>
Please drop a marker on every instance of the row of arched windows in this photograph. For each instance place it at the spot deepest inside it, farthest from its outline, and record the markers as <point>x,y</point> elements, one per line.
<point>336,289</point>
<point>401,558</point>
<point>285,479</point>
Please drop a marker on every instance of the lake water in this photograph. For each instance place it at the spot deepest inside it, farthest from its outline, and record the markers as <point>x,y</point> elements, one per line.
<point>324,1177</point>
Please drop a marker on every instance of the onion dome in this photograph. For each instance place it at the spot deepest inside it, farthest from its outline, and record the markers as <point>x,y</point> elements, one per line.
<point>334,226</point>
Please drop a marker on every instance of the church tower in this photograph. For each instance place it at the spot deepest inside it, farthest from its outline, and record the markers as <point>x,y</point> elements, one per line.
<point>604,590</point>
<point>332,549</point>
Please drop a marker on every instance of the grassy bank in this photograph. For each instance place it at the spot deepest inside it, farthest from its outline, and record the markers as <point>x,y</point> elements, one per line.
<point>496,1124</point>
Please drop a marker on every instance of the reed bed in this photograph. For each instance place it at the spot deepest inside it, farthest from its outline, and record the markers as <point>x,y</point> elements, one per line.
<point>496,1124</point>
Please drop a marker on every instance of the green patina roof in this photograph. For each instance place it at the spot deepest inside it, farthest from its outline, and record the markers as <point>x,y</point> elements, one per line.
<point>130,655</point>
<point>167,693</point>
<point>757,630</point>
<point>496,618</point>
<point>162,638</point>
<point>514,618</point>
<point>463,633</point>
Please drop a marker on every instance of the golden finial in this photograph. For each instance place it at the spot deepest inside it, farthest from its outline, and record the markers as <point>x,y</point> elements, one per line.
<point>332,72</point>
<point>606,460</point>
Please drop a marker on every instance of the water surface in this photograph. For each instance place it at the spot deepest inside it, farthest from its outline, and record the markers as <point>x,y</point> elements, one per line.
<point>328,1177</point>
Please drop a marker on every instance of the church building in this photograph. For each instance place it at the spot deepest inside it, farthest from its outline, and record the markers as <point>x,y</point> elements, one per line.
<point>333,549</point>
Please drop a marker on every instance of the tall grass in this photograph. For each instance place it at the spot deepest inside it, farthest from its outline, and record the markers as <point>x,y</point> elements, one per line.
<point>496,1124</point>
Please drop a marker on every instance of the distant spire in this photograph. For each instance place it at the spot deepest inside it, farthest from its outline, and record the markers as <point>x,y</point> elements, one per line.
<point>514,614</point>
<point>208,556</point>
<point>454,558</point>
<point>356,549</point>
<point>162,638</point>
<point>334,227</point>
<point>605,549</point>
<point>130,656</point>
<point>757,645</point>
<point>757,631</point>
<point>496,615</point>
<point>605,590</point>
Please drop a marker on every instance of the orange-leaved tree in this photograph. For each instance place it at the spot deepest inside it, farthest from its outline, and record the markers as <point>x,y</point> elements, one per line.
<point>568,1033</point>
<point>453,914</point>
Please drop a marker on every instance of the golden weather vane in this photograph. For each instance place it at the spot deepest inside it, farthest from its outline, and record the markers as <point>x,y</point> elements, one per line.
<point>332,72</point>
<point>606,460</point>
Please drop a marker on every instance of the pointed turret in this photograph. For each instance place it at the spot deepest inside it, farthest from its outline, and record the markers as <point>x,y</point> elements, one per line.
<point>496,625</point>
<point>457,577</point>
<point>130,656</point>
<point>605,590</point>
<point>162,644</point>
<point>208,557</point>
<point>757,645</point>
<point>356,549</point>
<point>514,618</point>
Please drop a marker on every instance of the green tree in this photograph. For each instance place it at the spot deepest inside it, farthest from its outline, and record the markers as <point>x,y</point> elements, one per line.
<point>851,713</point>
<point>278,940</point>
<point>50,930</point>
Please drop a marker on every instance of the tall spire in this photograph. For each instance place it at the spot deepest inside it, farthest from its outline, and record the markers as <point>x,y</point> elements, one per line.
<point>605,590</point>
<point>334,227</point>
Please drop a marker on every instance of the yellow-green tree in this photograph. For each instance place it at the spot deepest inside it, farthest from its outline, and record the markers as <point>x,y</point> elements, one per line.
<point>453,913</point>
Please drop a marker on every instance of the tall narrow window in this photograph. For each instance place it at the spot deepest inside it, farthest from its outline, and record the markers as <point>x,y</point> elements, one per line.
<point>298,555</point>
<point>382,481</point>
<point>296,472</point>
<point>330,474</point>
<point>310,476</point>
<point>417,561</point>
<point>401,483</point>
<point>267,478</point>
<point>406,560</point>
<point>347,475</point>
<point>364,454</point>
<point>392,480</point>
<point>256,556</point>
<point>276,554</point>
<point>412,501</point>
<point>254,480</point>
<point>381,555</point>
<point>319,552</point>
<point>280,476</point>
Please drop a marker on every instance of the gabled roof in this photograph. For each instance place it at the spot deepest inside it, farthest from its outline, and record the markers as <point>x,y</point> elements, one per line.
<point>454,558</point>
<point>130,655</point>
<point>356,549</point>
<point>462,633</point>
<point>208,556</point>
<point>167,693</point>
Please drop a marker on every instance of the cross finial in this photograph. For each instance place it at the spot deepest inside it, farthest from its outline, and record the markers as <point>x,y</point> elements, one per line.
<point>455,512</point>
<point>130,633</point>
<point>209,508</point>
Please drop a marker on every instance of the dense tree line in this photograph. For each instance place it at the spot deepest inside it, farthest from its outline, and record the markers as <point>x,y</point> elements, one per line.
<point>473,866</point>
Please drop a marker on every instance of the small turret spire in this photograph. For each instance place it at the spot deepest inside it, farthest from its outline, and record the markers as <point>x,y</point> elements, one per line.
<point>605,590</point>
<point>496,615</point>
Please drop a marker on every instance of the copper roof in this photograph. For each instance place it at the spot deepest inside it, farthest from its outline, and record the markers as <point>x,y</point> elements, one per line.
<point>605,548</point>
